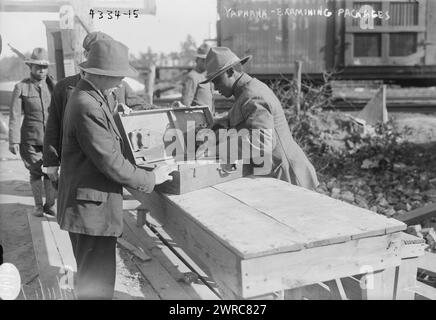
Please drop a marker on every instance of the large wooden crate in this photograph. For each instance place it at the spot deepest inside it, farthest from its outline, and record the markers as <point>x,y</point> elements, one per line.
<point>263,235</point>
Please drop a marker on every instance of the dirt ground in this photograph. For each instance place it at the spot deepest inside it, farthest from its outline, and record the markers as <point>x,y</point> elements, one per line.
<point>423,126</point>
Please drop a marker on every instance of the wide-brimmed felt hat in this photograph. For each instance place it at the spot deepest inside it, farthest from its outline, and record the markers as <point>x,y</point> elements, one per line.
<point>94,36</point>
<point>108,58</point>
<point>39,56</point>
<point>202,51</point>
<point>219,60</point>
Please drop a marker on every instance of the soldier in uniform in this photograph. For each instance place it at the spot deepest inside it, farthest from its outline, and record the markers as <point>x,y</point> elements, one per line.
<point>31,97</point>
<point>256,107</point>
<point>123,95</point>
<point>195,93</point>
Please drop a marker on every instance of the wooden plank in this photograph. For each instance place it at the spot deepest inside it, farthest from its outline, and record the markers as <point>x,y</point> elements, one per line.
<point>305,267</point>
<point>382,286</point>
<point>352,287</point>
<point>172,264</point>
<point>418,215</point>
<point>298,66</point>
<point>428,263</point>
<point>147,290</point>
<point>65,250</point>
<point>188,279</point>
<point>63,244</point>
<point>121,291</point>
<point>319,218</point>
<point>29,6</point>
<point>131,204</point>
<point>162,282</point>
<point>211,255</point>
<point>430,48</point>
<point>406,279</point>
<point>241,229</point>
<point>317,291</point>
<point>47,256</point>
<point>149,88</point>
<point>426,291</point>
<point>380,29</point>
<point>134,250</point>
<point>341,290</point>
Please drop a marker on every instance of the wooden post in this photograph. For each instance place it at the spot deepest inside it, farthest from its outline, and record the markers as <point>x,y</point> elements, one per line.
<point>381,286</point>
<point>384,106</point>
<point>406,281</point>
<point>298,67</point>
<point>156,79</point>
<point>54,49</point>
<point>83,24</point>
<point>141,217</point>
<point>68,49</point>
<point>150,83</point>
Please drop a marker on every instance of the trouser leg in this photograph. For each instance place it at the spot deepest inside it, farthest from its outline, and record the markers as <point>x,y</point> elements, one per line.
<point>32,159</point>
<point>96,266</point>
<point>36,186</point>
<point>50,197</point>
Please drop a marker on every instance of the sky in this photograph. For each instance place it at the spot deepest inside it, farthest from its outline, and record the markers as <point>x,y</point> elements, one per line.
<point>164,32</point>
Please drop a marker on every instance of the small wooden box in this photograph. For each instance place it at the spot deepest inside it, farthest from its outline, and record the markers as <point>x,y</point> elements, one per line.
<point>151,134</point>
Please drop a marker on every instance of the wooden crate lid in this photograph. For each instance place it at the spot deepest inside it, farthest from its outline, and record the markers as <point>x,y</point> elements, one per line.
<point>260,216</point>
<point>148,133</point>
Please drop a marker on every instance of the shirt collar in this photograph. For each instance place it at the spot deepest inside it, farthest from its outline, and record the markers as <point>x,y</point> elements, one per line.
<point>105,98</point>
<point>95,88</point>
<point>36,82</point>
<point>240,83</point>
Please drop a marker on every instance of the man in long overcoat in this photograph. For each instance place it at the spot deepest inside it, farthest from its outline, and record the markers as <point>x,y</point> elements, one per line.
<point>62,91</point>
<point>257,108</point>
<point>94,170</point>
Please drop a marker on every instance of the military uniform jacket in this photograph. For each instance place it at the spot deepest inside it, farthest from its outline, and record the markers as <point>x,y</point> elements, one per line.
<point>61,93</point>
<point>257,107</point>
<point>196,94</point>
<point>94,169</point>
<point>32,98</point>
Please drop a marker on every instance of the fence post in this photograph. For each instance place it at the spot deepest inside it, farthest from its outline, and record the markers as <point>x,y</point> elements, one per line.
<point>298,67</point>
<point>150,83</point>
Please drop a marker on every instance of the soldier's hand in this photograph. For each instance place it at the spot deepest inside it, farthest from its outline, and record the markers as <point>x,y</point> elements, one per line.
<point>162,173</point>
<point>53,173</point>
<point>14,148</point>
<point>220,121</point>
<point>124,108</point>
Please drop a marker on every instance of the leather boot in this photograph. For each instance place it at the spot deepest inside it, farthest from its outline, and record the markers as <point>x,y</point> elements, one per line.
<point>50,197</point>
<point>36,186</point>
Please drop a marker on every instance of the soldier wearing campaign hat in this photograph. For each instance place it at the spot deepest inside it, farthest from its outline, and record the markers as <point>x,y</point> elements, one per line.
<point>31,97</point>
<point>195,93</point>
<point>257,108</point>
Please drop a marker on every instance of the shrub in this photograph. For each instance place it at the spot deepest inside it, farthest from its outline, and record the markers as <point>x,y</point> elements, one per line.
<point>334,140</point>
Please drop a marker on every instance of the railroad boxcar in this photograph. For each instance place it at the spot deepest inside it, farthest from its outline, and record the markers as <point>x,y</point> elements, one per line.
<point>359,40</point>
